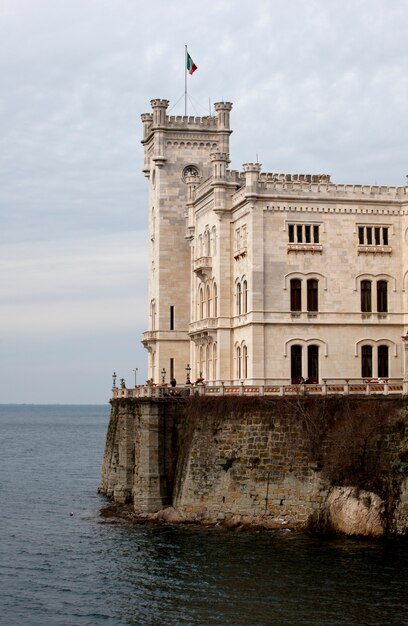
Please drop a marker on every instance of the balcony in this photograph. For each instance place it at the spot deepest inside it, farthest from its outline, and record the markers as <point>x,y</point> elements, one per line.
<point>310,248</point>
<point>149,338</point>
<point>203,330</point>
<point>241,253</point>
<point>203,267</point>
<point>374,250</point>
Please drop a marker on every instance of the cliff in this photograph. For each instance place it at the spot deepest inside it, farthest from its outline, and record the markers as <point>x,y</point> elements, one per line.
<point>330,463</point>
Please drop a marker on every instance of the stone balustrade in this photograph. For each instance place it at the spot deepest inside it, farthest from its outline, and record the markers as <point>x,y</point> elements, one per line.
<point>343,387</point>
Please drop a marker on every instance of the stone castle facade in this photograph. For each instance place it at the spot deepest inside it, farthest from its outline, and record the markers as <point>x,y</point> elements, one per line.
<point>267,278</point>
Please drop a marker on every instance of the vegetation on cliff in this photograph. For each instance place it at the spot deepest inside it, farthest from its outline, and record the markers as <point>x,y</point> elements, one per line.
<point>360,443</point>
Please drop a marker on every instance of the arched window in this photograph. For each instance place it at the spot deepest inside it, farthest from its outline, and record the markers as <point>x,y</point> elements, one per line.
<point>153,315</point>
<point>244,361</point>
<point>366,361</point>
<point>208,299</point>
<point>366,296</point>
<point>296,363</point>
<point>208,362</point>
<point>239,362</point>
<point>313,363</point>
<point>383,362</point>
<point>215,298</point>
<point>244,296</point>
<point>312,294</point>
<point>239,299</point>
<point>201,361</point>
<point>382,299</point>
<point>295,294</point>
<point>207,243</point>
<point>214,241</point>
<point>201,303</point>
<point>214,361</point>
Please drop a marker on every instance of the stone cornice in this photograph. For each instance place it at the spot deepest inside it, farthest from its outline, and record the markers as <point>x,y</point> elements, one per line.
<point>357,207</point>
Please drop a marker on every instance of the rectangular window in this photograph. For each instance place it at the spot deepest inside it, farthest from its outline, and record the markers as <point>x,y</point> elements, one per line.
<point>303,233</point>
<point>291,233</point>
<point>171,317</point>
<point>237,238</point>
<point>373,235</point>
<point>171,369</point>
<point>244,236</point>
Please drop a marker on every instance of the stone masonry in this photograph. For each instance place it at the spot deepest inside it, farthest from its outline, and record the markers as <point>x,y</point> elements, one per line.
<point>213,459</point>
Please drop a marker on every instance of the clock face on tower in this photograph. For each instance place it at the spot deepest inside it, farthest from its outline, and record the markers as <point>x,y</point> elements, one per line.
<point>190,170</point>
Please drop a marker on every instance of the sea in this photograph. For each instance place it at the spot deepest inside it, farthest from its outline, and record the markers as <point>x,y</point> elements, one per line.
<point>61,563</point>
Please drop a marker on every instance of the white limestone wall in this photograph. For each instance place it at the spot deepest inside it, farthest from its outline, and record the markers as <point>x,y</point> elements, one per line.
<point>173,144</point>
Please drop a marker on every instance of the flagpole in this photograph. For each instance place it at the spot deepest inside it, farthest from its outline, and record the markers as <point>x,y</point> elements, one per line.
<point>185,80</point>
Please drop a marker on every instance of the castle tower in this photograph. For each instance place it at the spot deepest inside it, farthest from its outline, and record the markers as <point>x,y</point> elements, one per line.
<point>176,148</point>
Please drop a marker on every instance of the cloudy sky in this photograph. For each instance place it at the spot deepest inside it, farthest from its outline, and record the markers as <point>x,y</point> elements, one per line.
<point>318,86</point>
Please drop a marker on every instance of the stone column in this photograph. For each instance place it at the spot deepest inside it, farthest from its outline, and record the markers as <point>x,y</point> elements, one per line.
<point>405,383</point>
<point>123,488</point>
<point>150,491</point>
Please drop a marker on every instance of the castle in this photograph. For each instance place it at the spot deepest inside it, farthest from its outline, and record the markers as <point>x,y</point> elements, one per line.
<point>267,278</point>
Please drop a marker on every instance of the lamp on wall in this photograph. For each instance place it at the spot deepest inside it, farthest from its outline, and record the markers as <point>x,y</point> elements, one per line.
<point>188,370</point>
<point>163,373</point>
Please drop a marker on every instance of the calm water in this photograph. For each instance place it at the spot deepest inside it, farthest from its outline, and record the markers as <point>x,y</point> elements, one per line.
<point>58,568</point>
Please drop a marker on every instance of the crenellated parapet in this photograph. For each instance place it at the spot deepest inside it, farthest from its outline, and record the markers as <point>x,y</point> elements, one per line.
<point>316,184</point>
<point>332,190</point>
<point>191,122</point>
<point>294,178</point>
<point>159,119</point>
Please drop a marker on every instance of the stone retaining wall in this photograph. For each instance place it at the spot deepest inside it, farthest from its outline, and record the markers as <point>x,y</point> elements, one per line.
<point>217,458</point>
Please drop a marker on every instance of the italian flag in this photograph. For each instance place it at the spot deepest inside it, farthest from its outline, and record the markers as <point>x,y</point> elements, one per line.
<point>191,66</point>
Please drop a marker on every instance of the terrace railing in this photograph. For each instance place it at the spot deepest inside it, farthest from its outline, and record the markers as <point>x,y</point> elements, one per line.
<point>342,387</point>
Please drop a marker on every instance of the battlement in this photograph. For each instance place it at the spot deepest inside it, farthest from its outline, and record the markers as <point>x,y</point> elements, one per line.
<point>178,121</point>
<point>321,184</point>
<point>331,189</point>
<point>291,178</point>
<point>160,120</point>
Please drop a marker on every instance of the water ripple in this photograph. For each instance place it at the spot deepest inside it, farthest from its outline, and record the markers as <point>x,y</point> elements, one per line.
<point>71,570</point>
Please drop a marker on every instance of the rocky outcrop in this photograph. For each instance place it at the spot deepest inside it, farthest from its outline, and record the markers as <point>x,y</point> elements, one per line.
<point>351,511</point>
<point>400,517</point>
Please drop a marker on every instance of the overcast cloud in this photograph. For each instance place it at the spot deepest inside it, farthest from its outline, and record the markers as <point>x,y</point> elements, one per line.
<point>317,87</point>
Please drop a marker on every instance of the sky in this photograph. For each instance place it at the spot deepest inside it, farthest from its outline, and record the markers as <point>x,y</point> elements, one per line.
<point>317,87</point>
